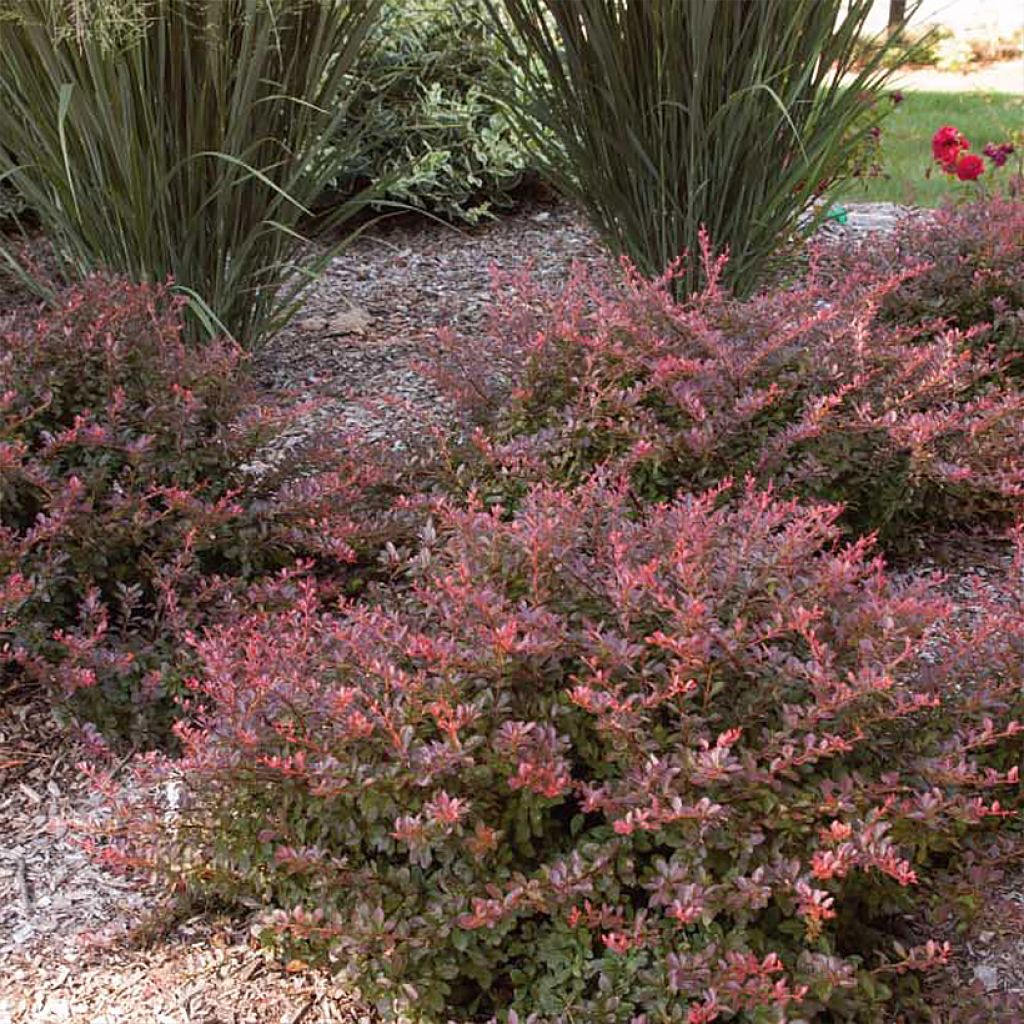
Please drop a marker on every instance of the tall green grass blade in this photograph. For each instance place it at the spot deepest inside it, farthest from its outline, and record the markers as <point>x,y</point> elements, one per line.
<point>211,323</point>
<point>185,140</point>
<point>63,105</point>
<point>259,175</point>
<point>662,118</point>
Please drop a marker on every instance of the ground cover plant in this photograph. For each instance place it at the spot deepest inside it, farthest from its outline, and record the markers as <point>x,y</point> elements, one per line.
<point>907,175</point>
<point>127,517</point>
<point>683,764</point>
<point>192,146</point>
<point>426,93</point>
<point>973,257</point>
<point>735,131</point>
<point>824,389</point>
<point>630,723</point>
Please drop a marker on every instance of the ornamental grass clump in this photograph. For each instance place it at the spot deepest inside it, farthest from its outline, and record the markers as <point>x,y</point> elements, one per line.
<point>127,517</point>
<point>597,763</point>
<point>811,389</point>
<point>665,118</point>
<point>187,143</point>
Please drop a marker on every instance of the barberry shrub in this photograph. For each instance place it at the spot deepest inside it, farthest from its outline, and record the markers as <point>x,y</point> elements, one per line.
<point>599,762</point>
<point>809,388</point>
<point>975,272</point>
<point>126,516</point>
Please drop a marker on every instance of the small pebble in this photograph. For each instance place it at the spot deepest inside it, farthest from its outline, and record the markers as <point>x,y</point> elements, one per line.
<point>988,976</point>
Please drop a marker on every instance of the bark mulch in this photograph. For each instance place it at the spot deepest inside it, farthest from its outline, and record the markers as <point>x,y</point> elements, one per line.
<point>78,944</point>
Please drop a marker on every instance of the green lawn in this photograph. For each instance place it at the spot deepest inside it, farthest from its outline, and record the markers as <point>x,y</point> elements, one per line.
<point>906,144</point>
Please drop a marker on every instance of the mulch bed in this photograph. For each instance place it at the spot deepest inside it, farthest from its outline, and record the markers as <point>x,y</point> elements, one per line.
<point>78,944</point>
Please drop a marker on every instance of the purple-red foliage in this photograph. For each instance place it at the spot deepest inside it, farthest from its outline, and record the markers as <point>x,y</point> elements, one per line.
<point>126,518</point>
<point>808,388</point>
<point>601,762</point>
<point>973,275</point>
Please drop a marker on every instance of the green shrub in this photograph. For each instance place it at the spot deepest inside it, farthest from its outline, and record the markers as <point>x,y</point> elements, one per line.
<point>424,93</point>
<point>191,147</point>
<point>914,47</point>
<point>665,118</point>
<point>11,205</point>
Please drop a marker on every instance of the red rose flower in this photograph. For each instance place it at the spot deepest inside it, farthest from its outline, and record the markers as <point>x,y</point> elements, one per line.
<point>947,145</point>
<point>969,167</point>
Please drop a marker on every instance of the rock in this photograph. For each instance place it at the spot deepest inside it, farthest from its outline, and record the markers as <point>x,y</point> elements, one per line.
<point>988,976</point>
<point>346,321</point>
<point>349,321</point>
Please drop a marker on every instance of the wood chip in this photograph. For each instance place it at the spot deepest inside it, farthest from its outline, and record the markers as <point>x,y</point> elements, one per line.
<point>24,889</point>
<point>369,321</point>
